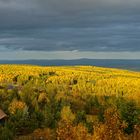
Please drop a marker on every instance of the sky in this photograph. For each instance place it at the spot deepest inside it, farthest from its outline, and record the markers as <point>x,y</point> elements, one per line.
<point>69,29</point>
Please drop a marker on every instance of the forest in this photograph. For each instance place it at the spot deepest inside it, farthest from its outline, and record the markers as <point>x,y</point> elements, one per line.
<point>69,103</point>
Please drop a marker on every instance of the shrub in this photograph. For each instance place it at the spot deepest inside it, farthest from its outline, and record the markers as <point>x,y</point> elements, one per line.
<point>130,113</point>
<point>111,129</point>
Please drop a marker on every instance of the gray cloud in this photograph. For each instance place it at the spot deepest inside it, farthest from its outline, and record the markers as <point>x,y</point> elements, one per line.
<point>65,25</point>
<point>115,37</point>
<point>40,13</point>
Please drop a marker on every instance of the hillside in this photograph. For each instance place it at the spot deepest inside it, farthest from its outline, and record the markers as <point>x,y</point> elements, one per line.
<point>69,102</point>
<point>132,64</point>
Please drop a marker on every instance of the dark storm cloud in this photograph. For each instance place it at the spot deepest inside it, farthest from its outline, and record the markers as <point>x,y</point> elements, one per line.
<point>40,13</point>
<point>84,25</point>
<point>108,38</point>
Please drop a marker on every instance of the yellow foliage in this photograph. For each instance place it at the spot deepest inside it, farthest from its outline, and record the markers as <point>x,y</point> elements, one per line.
<point>64,131</point>
<point>90,80</point>
<point>112,129</point>
<point>43,133</point>
<point>66,114</point>
<point>67,131</point>
<point>81,132</point>
<point>75,83</point>
<point>16,105</point>
<point>42,98</point>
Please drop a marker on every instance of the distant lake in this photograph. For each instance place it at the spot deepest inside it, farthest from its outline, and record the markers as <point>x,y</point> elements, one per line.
<point>113,63</point>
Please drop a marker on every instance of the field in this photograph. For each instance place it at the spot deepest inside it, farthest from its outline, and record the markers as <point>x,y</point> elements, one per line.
<point>69,103</point>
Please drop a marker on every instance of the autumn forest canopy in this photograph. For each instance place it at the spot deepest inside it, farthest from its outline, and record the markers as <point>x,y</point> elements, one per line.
<point>69,103</point>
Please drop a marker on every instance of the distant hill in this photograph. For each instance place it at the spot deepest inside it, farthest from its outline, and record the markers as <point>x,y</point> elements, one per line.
<point>123,64</point>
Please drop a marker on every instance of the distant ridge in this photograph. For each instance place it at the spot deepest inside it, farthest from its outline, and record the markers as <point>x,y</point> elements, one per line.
<point>114,63</point>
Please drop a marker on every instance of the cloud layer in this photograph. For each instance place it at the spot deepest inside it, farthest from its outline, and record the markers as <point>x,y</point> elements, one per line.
<point>70,25</point>
<point>56,13</point>
<point>106,38</point>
